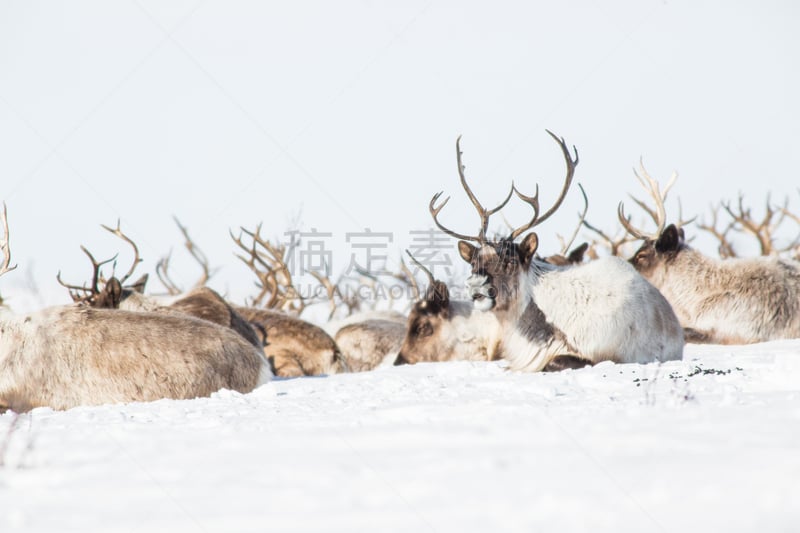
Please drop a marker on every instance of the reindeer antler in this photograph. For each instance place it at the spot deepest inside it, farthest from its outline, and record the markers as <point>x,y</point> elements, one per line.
<point>428,273</point>
<point>196,253</point>
<point>92,293</point>
<point>486,213</point>
<point>725,248</point>
<point>534,200</point>
<point>136,260</point>
<point>162,271</point>
<point>567,244</point>
<point>482,211</point>
<point>268,263</point>
<point>658,214</point>
<point>162,267</point>
<point>4,245</point>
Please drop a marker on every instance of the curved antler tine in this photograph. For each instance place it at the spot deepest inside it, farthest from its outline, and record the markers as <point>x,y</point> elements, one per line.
<point>626,223</point>
<point>463,179</point>
<point>4,245</point>
<point>571,164</point>
<point>581,221</point>
<point>136,260</point>
<point>534,202</point>
<point>482,211</point>
<point>431,279</point>
<point>435,213</point>
<point>653,189</point>
<point>486,214</point>
<point>502,204</point>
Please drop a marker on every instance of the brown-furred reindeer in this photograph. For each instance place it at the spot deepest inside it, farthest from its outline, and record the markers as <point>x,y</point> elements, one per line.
<point>441,329</point>
<point>369,340</point>
<point>113,291</point>
<point>66,356</point>
<point>294,347</point>
<point>201,302</point>
<point>601,310</point>
<point>721,301</point>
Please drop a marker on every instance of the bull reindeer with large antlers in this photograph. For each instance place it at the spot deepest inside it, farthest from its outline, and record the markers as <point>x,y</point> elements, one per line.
<point>602,310</point>
<point>77,354</point>
<point>722,301</point>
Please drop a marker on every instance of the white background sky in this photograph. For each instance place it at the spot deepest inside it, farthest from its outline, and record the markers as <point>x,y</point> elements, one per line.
<point>345,115</point>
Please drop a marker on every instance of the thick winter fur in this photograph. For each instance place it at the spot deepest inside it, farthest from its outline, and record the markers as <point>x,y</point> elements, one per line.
<point>64,357</point>
<point>203,303</point>
<point>293,346</point>
<point>603,310</point>
<point>730,301</point>
<point>209,305</point>
<point>443,330</point>
<point>370,343</point>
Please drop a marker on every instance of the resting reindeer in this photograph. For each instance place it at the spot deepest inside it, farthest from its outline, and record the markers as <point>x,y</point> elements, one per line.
<point>293,346</point>
<point>602,310</point>
<point>368,339</point>
<point>201,302</point>
<point>74,355</point>
<point>441,329</point>
<point>727,301</point>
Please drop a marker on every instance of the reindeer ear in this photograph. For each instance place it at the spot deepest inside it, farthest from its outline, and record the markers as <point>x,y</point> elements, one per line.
<point>110,296</point>
<point>437,297</point>
<point>670,239</point>
<point>528,247</point>
<point>139,284</point>
<point>467,251</point>
<point>576,255</point>
<point>441,293</point>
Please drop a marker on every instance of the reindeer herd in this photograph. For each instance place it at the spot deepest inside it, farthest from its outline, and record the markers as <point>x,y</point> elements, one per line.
<point>114,343</point>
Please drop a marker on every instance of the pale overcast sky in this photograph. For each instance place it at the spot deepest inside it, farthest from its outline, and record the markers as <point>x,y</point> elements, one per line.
<point>344,115</point>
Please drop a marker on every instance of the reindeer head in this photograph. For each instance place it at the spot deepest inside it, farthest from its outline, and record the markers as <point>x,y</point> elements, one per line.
<point>442,330</point>
<point>655,252</point>
<point>497,264</point>
<point>659,247</point>
<point>113,291</point>
<point>426,336</point>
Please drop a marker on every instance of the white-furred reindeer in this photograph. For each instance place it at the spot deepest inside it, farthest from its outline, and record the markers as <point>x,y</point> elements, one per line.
<point>721,301</point>
<point>66,356</point>
<point>598,311</point>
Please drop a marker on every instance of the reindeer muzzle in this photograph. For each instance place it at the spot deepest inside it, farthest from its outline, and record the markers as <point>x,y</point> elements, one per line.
<point>481,291</point>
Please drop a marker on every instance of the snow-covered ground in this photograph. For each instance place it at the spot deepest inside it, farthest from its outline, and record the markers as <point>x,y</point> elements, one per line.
<point>711,443</point>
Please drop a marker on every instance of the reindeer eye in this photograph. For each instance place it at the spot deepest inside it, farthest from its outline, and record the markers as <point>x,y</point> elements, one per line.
<point>424,330</point>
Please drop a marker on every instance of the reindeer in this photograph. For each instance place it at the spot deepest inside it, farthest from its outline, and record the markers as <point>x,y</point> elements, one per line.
<point>441,329</point>
<point>201,302</point>
<point>113,291</point>
<point>720,301</point>
<point>74,355</point>
<point>601,310</point>
<point>293,346</point>
<point>370,338</point>
<point>368,343</point>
